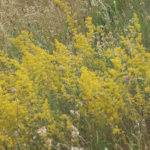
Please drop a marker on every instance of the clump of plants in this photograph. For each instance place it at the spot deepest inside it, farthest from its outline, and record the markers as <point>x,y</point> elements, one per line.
<point>89,94</point>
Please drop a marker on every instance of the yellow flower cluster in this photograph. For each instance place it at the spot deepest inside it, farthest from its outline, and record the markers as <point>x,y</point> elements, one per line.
<point>70,18</point>
<point>25,88</point>
<point>101,86</point>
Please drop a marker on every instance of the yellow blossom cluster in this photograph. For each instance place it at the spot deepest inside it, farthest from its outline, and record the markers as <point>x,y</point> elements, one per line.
<point>101,87</point>
<point>70,18</point>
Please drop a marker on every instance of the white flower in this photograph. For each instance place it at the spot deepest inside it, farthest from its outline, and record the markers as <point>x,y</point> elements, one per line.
<point>77,133</point>
<point>38,132</point>
<point>16,133</point>
<point>14,90</point>
<point>72,112</point>
<point>73,134</point>
<point>49,142</point>
<point>42,131</point>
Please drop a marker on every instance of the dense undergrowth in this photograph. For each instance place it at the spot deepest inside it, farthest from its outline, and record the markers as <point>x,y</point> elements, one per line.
<point>88,92</point>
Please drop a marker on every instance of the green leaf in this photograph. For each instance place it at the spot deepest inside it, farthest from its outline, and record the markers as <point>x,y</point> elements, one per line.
<point>106,141</point>
<point>128,117</point>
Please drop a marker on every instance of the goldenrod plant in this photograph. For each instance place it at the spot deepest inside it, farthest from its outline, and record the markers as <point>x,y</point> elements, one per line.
<point>92,93</point>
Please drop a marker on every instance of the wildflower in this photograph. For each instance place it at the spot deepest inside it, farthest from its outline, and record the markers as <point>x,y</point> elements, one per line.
<point>143,123</point>
<point>77,114</point>
<point>72,111</point>
<point>38,132</point>
<point>73,134</point>
<point>14,90</point>
<point>137,124</point>
<point>42,131</point>
<point>79,104</point>
<point>116,130</point>
<point>77,133</point>
<point>34,137</point>
<point>4,131</point>
<point>86,101</point>
<point>16,133</point>
<point>127,79</point>
<point>49,142</point>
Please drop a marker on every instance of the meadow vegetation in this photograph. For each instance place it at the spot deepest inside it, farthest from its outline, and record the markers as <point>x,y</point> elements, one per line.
<point>74,75</point>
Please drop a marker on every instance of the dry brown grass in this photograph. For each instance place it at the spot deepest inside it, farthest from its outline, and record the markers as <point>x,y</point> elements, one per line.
<point>44,18</point>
